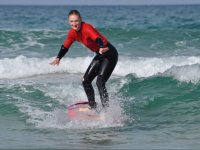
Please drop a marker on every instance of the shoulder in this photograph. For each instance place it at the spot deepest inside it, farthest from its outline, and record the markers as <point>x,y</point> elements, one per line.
<point>87,26</point>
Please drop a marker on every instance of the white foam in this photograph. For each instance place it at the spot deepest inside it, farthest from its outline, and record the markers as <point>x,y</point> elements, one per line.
<point>65,93</point>
<point>188,73</point>
<point>56,117</point>
<point>22,66</point>
<point>113,117</point>
<point>146,67</point>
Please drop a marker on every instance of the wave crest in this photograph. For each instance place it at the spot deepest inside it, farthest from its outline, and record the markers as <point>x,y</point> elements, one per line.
<point>183,68</point>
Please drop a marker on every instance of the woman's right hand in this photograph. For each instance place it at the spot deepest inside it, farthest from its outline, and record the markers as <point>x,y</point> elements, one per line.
<point>56,61</point>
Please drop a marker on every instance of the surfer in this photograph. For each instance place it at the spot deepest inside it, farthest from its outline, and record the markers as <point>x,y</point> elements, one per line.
<point>102,64</point>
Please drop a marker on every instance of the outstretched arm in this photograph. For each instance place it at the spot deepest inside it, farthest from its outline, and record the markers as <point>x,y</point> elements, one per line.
<point>61,53</point>
<point>64,48</point>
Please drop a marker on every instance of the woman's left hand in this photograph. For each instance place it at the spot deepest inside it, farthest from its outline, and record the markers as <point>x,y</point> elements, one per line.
<point>103,50</point>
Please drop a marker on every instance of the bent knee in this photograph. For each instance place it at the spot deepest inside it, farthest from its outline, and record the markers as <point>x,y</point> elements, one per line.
<point>85,82</point>
<point>100,81</point>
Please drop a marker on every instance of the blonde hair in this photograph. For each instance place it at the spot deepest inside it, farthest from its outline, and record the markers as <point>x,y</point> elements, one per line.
<point>75,12</point>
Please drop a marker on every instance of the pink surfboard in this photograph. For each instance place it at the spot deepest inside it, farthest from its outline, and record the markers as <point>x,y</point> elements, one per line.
<point>80,111</point>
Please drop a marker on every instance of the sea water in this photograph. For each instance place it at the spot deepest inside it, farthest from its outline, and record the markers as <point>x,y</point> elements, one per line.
<point>154,90</point>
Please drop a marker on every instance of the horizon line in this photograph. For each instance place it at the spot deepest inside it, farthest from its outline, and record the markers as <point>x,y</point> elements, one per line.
<point>99,4</point>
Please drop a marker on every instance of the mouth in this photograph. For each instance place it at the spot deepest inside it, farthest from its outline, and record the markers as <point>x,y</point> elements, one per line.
<point>76,27</point>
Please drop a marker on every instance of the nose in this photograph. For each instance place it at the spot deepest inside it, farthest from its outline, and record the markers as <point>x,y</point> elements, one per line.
<point>74,23</point>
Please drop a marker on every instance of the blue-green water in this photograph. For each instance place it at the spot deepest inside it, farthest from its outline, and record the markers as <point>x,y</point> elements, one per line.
<point>154,90</point>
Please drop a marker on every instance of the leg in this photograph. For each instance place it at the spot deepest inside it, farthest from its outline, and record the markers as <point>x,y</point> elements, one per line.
<point>102,91</point>
<point>104,73</point>
<point>88,77</point>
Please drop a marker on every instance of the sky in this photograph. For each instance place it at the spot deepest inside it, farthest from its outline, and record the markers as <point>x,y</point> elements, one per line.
<point>97,2</point>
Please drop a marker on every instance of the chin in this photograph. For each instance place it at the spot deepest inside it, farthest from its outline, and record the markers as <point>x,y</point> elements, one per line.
<point>77,29</point>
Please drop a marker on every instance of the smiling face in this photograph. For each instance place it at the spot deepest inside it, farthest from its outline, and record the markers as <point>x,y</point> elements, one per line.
<point>74,21</point>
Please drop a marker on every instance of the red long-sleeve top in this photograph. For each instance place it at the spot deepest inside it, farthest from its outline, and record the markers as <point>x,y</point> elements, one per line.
<point>87,35</point>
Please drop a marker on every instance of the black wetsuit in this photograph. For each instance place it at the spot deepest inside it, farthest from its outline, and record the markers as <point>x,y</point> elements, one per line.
<point>101,67</point>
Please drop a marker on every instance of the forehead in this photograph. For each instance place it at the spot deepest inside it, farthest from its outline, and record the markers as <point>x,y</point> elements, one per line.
<point>74,17</point>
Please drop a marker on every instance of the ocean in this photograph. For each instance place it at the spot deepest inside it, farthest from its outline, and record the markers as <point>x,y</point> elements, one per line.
<point>154,90</point>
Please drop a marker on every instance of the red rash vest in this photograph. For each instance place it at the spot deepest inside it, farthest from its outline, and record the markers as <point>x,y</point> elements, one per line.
<point>87,35</point>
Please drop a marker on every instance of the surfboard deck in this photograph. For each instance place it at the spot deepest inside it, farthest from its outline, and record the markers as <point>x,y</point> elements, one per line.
<point>80,111</point>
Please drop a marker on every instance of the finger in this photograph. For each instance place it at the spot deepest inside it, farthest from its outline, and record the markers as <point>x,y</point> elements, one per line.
<point>52,63</point>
